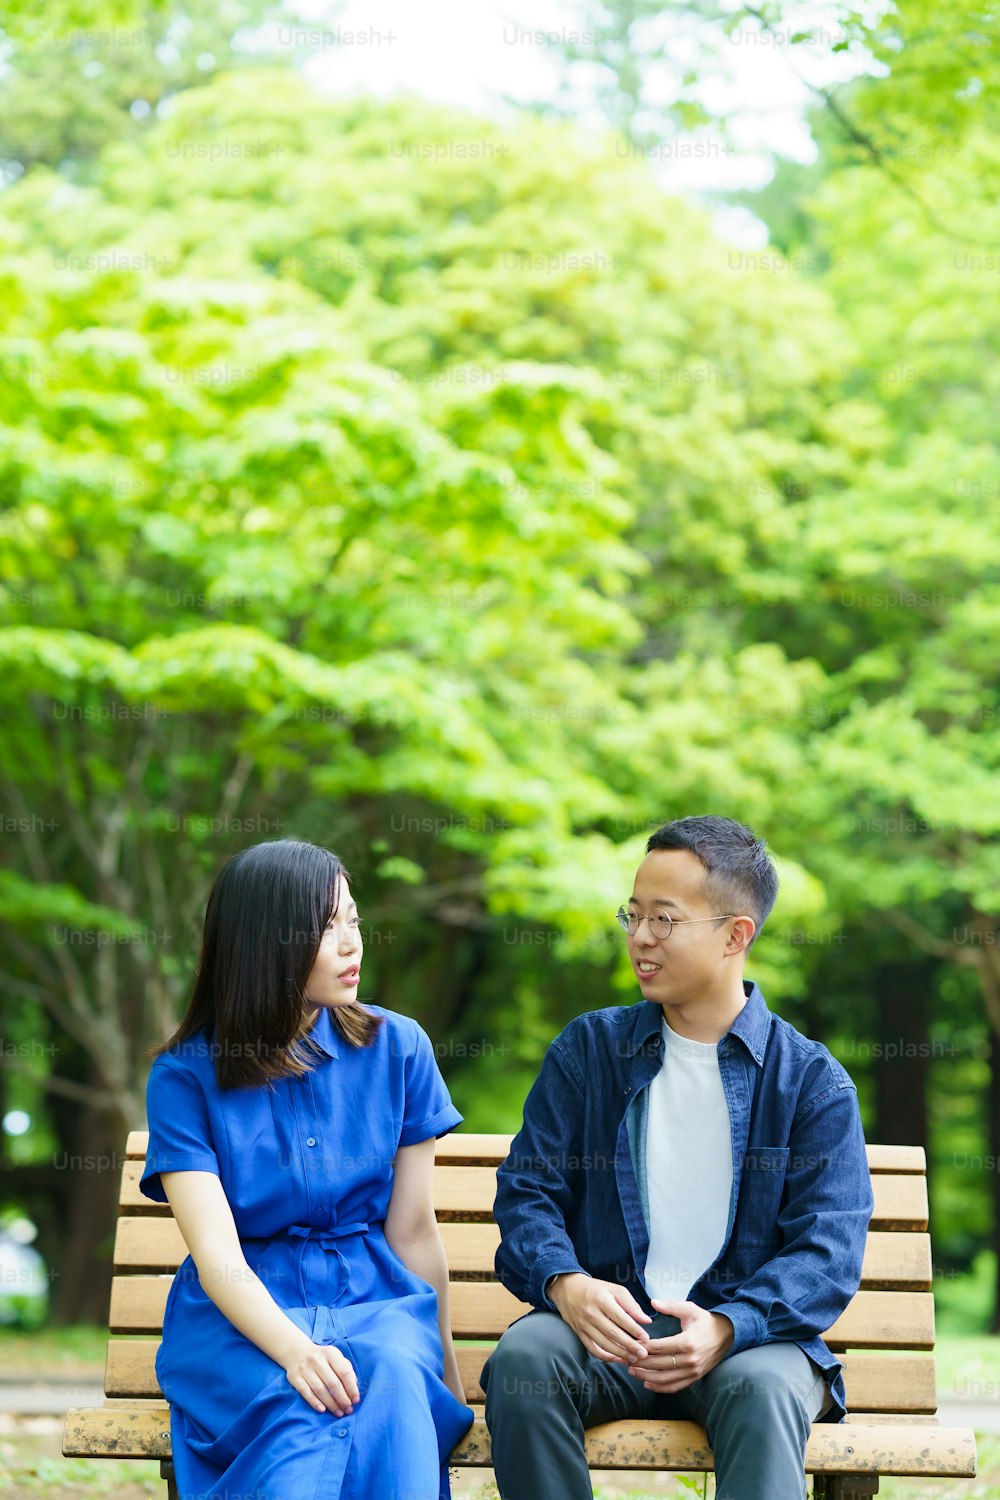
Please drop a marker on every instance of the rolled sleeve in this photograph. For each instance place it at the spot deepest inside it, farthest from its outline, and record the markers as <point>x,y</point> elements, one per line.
<point>427,1107</point>
<point>749,1327</point>
<point>180,1133</point>
<point>546,1272</point>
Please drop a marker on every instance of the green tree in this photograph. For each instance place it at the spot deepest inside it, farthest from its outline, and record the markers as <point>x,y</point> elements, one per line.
<point>291,454</point>
<point>78,77</point>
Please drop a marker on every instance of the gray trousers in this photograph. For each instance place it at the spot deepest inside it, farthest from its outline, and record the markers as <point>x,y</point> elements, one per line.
<point>543,1390</point>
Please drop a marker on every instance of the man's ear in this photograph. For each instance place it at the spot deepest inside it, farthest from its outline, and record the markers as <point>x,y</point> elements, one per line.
<point>742,935</point>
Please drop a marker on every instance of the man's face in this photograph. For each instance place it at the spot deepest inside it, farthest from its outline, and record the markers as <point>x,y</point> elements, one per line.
<point>691,960</point>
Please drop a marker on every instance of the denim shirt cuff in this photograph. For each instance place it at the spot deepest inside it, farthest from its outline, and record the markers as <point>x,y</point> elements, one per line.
<point>749,1327</point>
<point>547,1269</point>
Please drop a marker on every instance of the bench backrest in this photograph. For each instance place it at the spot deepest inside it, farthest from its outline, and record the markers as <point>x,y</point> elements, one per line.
<point>888,1328</point>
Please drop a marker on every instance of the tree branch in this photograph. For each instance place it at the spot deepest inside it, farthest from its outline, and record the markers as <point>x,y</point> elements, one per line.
<point>99,1098</point>
<point>871,147</point>
<point>78,1027</point>
<point>926,941</point>
<point>235,786</point>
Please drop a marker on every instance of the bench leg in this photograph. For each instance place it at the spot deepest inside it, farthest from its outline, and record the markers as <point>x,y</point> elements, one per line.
<point>167,1473</point>
<point>844,1486</point>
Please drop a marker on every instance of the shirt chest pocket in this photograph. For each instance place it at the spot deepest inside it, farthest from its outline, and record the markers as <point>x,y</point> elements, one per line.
<point>761,1186</point>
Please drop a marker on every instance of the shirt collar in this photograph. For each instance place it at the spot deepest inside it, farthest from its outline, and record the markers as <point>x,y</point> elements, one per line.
<point>751,1025</point>
<point>323,1036</point>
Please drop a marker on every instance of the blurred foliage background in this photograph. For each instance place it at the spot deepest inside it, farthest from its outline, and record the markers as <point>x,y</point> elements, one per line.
<point>437,487</point>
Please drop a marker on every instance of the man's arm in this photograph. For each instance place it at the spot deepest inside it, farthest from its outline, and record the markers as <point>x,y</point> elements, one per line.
<point>538,1196</point>
<point>824,1223</point>
<point>538,1184</point>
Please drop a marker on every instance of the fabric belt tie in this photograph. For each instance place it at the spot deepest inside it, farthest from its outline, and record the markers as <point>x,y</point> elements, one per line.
<point>327,1236</point>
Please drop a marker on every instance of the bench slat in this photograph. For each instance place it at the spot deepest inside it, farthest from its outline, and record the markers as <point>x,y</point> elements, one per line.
<point>490,1150</point>
<point>893,1262</point>
<point>142,1431</point>
<point>462,1192</point>
<point>483,1310</point>
<point>875,1383</point>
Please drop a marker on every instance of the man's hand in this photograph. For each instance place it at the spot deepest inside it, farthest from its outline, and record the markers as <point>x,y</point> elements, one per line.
<point>703,1342</point>
<point>605,1318</point>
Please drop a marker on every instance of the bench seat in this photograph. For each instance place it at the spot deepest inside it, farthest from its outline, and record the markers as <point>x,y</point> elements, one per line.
<point>885,1337</point>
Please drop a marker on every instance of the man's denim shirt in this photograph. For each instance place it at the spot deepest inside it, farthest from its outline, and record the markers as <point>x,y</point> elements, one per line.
<point>571,1195</point>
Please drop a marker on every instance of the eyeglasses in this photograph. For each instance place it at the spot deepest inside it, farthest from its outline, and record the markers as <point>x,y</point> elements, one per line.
<point>661,923</point>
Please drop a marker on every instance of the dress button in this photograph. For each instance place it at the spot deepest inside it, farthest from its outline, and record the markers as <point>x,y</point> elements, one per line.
<point>311,1141</point>
<point>341,1431</point>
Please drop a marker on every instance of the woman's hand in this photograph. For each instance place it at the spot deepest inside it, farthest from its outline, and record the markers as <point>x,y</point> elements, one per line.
<point>324,1377</point>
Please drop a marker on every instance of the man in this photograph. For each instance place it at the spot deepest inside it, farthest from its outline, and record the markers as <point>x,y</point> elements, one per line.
<point>686,1205</point>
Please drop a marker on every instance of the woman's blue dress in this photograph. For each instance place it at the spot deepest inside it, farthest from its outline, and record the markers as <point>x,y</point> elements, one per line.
<point>306,1164</point>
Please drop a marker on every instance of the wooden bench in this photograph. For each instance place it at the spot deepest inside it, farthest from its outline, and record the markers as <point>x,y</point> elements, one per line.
<point>887,1331</point>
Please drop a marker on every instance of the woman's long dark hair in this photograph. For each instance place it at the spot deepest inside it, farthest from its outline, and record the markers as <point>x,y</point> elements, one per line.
<point>265,919</point>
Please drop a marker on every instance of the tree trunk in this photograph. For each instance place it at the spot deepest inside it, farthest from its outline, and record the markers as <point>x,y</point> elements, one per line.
<point>901,1054</point>
<point>84,1285</point>
<point>993,1135</point>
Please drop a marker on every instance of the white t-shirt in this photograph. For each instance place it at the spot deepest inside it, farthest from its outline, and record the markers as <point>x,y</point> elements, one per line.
<point>689,1166</point>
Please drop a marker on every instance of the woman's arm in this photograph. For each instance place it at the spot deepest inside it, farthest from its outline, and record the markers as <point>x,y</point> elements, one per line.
<point>320,1373</point>
<point>412,1231</point>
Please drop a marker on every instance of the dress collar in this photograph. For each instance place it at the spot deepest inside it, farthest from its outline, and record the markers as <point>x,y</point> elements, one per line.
<point>323,1034</point>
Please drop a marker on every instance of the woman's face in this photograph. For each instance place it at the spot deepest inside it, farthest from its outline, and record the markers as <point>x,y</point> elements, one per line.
<point>333,979</point>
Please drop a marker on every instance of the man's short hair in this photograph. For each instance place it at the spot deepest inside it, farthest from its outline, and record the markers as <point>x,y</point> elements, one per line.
<point>739,872</point>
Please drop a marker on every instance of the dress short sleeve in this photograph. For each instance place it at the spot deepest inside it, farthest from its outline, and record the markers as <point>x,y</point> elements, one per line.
<point>427,1107</point>
<point>180,1136</point>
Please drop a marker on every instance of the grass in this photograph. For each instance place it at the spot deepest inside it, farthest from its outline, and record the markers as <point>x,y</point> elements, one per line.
<point>968,1367</point>
<point>64,1351</point>
<point>963,1303</point>
<point>31,1465</point>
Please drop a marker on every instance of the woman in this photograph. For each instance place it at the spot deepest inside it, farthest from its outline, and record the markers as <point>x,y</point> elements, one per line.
<point>306,1341</point>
